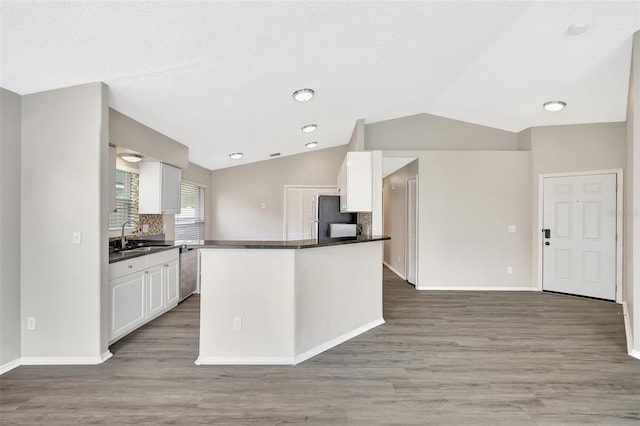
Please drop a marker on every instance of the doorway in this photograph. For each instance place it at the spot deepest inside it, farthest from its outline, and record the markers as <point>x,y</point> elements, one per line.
<point>579,227</point>
<point>300,210</point>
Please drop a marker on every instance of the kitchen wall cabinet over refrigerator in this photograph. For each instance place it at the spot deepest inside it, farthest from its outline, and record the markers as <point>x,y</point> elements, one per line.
<point>159,188</point>
<point>355,183</point>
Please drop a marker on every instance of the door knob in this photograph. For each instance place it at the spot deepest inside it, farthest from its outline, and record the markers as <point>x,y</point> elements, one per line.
<point>547,243</point>
<point>547,233</point>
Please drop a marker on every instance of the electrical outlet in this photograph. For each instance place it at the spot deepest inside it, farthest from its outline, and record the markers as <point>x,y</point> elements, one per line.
<point>237,323</point>
<point>511,228</point>
<point>145,227</point>
<point>509,270</point>
<point>77,237</point>
<point>31,323</point>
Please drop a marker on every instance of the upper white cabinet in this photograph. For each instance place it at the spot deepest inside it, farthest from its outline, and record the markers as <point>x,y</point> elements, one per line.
<point>159,188</point>
<point>355,182</point>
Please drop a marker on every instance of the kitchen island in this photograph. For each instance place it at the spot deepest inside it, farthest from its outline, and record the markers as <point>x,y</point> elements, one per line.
<point>282,302</point>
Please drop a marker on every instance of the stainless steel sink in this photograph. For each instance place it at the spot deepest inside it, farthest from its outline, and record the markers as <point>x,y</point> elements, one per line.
<point>142,249</point>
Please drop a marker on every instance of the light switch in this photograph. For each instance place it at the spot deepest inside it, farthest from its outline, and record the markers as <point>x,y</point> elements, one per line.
<point>511,228</point>
<point>77,237</point>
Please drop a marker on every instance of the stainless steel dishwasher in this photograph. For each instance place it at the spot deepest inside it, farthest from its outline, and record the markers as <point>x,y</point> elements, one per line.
<point>188,272</point>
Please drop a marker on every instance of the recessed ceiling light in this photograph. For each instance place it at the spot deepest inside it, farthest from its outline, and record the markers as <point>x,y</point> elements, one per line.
<point>236,155</point>
<point>311,145</point>
<point>554,106</point>
<point>578,28</point>
<point>131,157</point>
<point>309,128</point>
<point>303,95</point>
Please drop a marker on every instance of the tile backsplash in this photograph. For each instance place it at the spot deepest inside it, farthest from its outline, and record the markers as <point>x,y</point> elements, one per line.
<point>155,222</point>
<point>365,220</point>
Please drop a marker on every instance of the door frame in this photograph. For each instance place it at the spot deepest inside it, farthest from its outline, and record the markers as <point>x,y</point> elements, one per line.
<point>284,205</point>
<point>619,221</point>
<point>407,236</point>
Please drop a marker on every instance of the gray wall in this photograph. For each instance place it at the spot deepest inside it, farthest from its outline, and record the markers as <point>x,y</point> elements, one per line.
<point>430,132</point>
<point>238,192</point>
<point>394,202</point>
<point>356,143</point>
<point>128,133</point>
<point>64,189</point>
<point>466,201</point>
<point>572,148</point>
<point>10,165</point>
<point>631,293</point>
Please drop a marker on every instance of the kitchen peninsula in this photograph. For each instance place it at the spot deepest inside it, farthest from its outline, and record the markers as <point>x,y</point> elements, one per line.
<point>282,302</point>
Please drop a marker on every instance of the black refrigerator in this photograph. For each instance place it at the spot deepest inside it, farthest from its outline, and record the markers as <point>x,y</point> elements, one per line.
<point>328,211</point>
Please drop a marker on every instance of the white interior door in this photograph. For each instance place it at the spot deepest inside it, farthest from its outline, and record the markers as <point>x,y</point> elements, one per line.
<point>412,231</point>
<point>579,251</point>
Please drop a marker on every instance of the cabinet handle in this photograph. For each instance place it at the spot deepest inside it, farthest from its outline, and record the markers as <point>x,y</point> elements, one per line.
<point>146,272</point>
<point>129,266</point>
<point>166,265</point>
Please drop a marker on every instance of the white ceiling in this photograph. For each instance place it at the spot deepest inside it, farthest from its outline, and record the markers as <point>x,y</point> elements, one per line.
<point>218,76</point>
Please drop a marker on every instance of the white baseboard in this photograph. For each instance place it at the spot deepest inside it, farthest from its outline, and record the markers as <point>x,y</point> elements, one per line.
<point>635,354</point>
<point>395,271</point>
<point>47,360</point>
<point>9,366</point>
<point>244,360</point>
<point>338,340</point>
<point>65,360</point>
<point>285,360</point>
<point>105,356</point>
<point>478,288</point>
<point>627,327</point>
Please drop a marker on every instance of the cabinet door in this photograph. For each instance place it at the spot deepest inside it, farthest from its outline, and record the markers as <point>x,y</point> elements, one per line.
<point>127,304</point>
<point>171,180</point>
<point>155,292</point>
<point>356,194</point>
<point>172,283</point>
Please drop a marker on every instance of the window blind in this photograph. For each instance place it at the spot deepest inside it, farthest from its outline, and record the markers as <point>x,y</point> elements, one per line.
<point>126,200</point>
<point>189,224</point>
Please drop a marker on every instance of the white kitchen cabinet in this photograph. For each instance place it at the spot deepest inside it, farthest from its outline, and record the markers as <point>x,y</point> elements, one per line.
<point>155,292</point>
<point>159,191</point>
<point>171,283</point>
<point>128,308</point>
<point>142,289</point>
<point>355,182</point>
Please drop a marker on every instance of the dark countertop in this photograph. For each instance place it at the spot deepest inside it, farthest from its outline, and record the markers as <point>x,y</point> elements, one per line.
<point>158,246</point>
<point>127,254</point>
<point>293,244</point>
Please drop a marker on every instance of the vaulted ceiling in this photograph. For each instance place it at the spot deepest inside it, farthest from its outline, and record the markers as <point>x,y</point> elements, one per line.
<point>218,76</point>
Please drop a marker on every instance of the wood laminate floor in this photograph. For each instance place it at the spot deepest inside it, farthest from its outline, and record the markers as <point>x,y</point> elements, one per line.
<point>460,358</point>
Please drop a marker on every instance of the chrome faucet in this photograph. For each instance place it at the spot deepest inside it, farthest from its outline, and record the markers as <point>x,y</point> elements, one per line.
<point>123,240</point>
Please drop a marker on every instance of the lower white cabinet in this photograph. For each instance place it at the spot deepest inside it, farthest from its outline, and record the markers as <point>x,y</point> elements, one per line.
<point>140,290</point>
<point>155,291</point>
<point>172,274</point>
<point>127,304</point>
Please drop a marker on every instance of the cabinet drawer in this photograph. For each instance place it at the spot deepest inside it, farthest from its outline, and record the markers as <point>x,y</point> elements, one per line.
<point>162,257</point>
<point>127,267</point>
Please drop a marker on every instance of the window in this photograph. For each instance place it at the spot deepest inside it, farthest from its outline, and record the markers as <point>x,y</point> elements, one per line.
<point>189,224</point>
<point>126,200</point>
